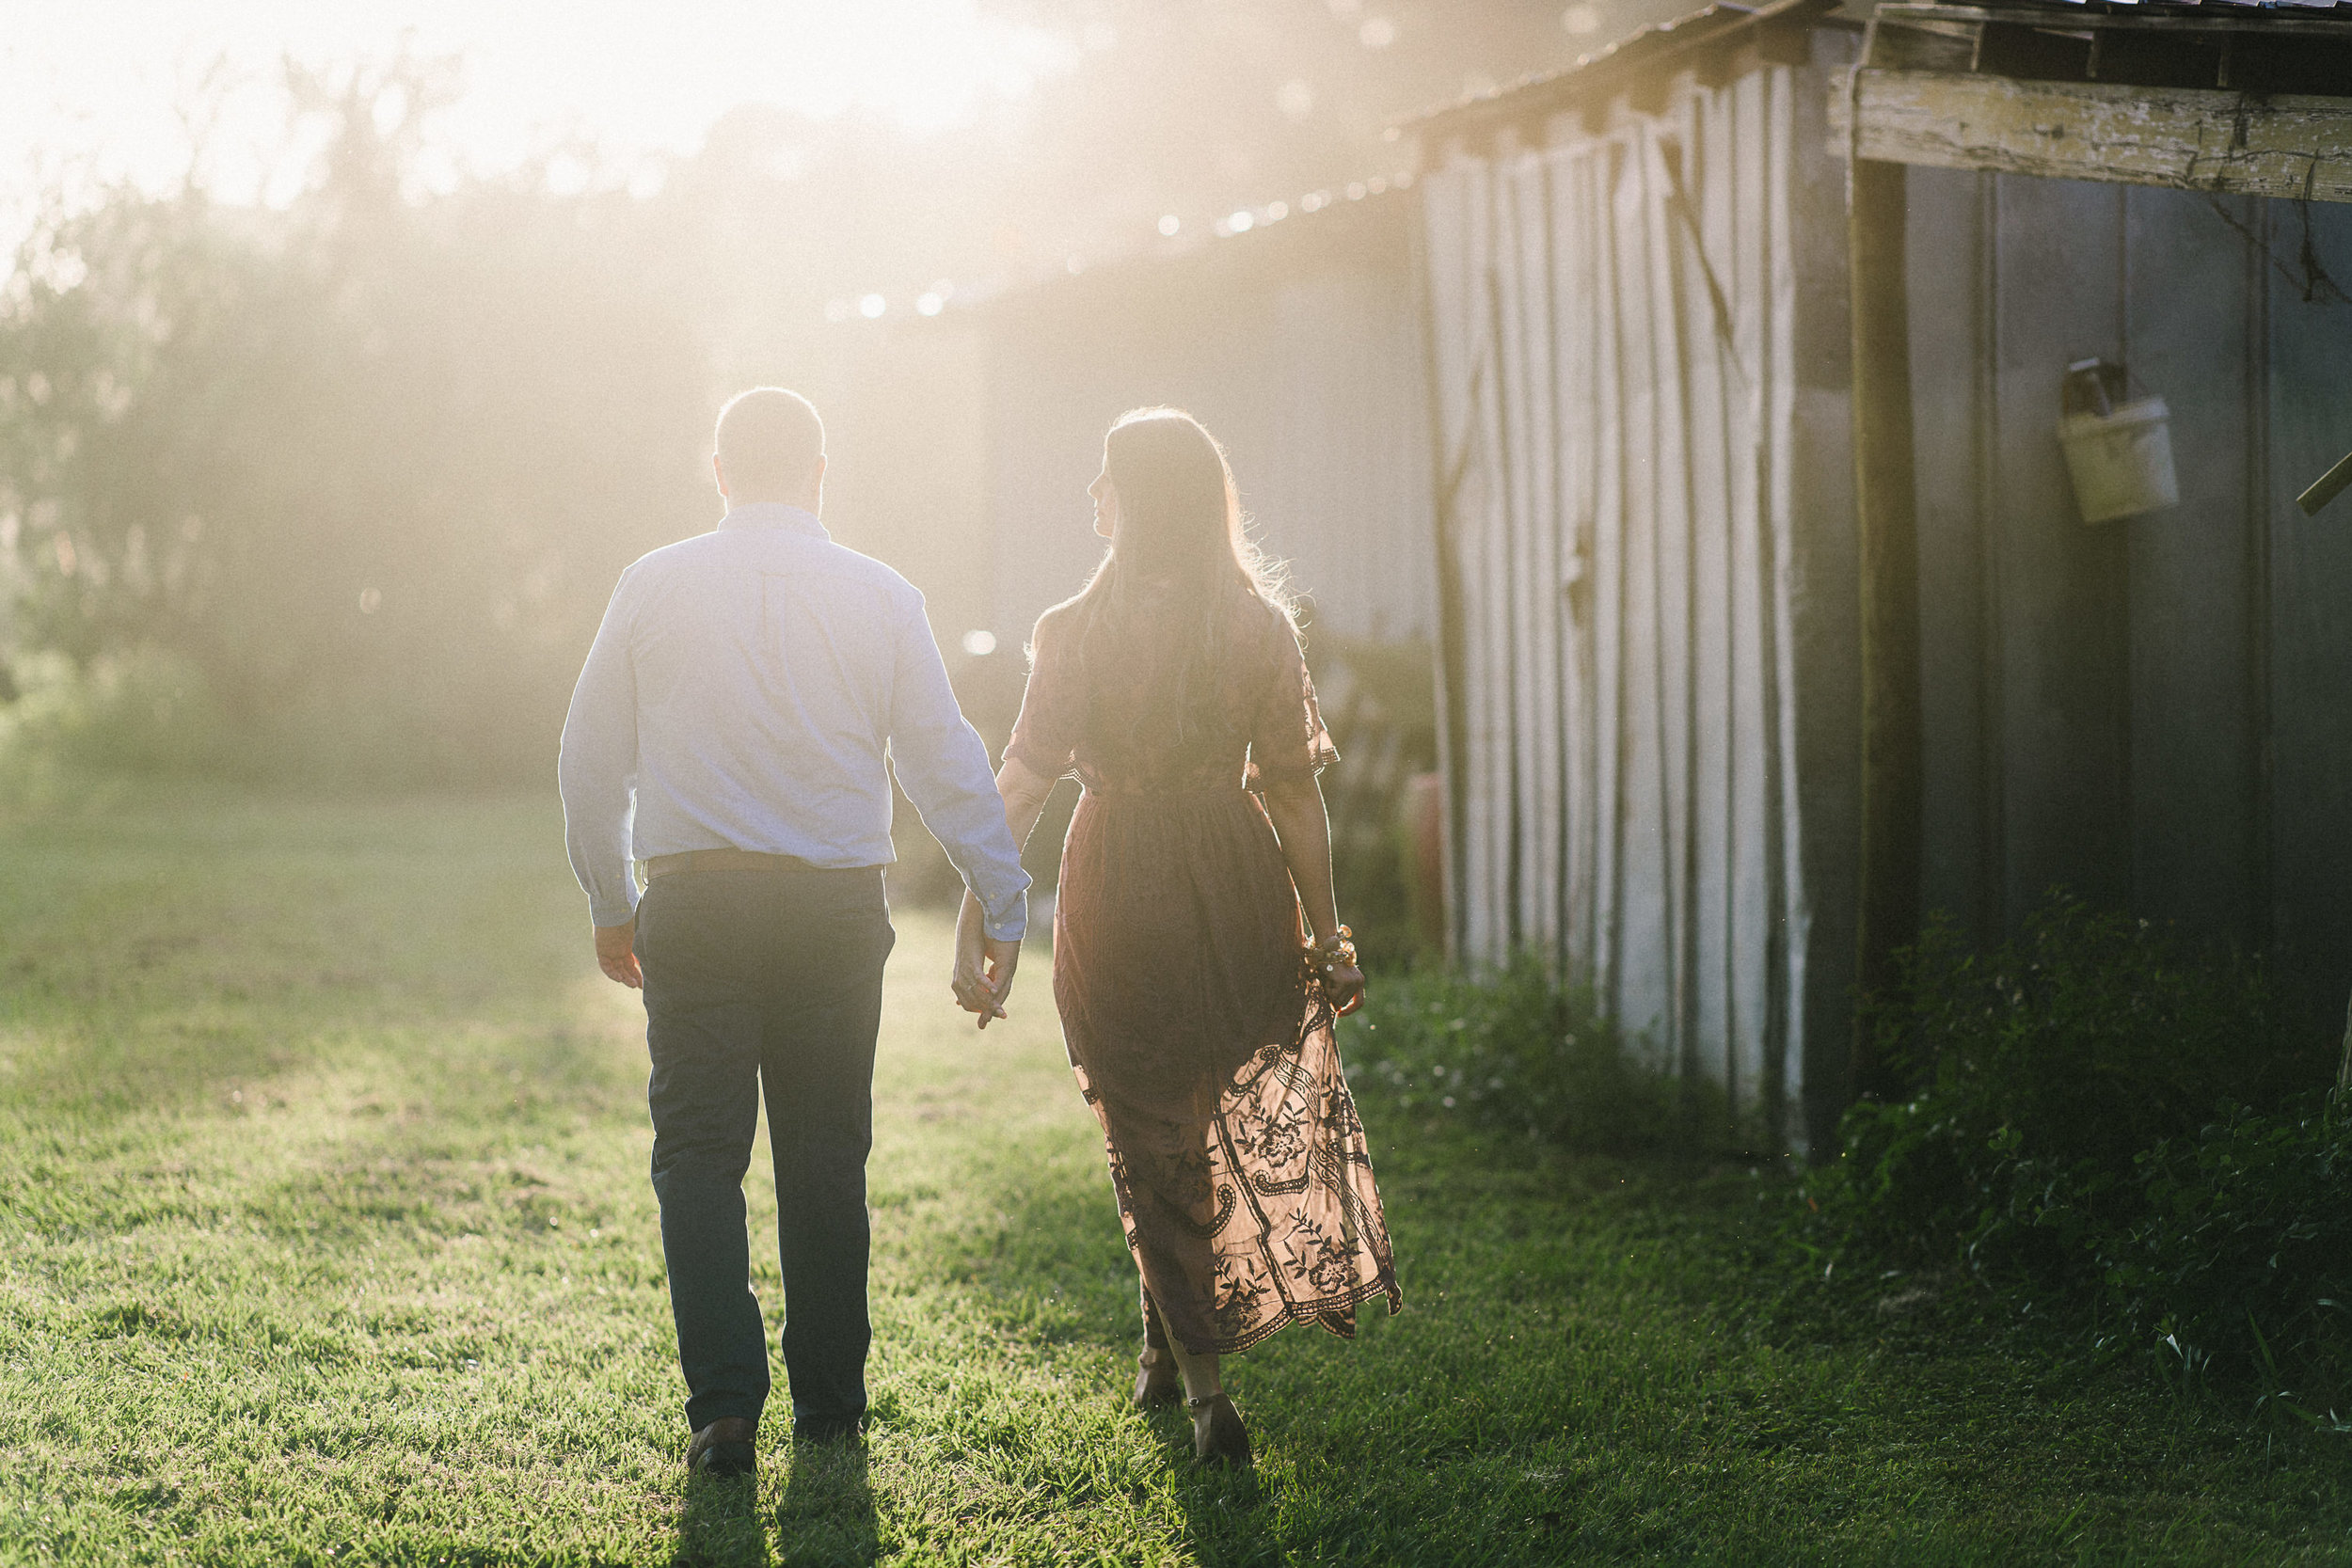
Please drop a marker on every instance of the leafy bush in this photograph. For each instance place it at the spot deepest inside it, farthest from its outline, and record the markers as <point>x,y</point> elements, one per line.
<point>2038,1071</point>
<point>2244,1252</point>
<point>1517,1052</point>
<point>2057,1140</point>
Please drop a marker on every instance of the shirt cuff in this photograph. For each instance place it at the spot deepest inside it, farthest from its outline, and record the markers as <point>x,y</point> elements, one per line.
<point>1009,920</point>
<point>602,913</point>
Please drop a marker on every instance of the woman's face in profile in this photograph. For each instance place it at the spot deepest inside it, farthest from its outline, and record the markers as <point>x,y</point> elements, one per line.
<point>1106,504</point>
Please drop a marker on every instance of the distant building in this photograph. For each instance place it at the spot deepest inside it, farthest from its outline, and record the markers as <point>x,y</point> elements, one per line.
<point>966,443</point>
<point>1297,341</point>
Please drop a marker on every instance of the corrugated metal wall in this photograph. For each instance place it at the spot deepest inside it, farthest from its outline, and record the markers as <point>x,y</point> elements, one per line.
<point>1631,500</point>
<point>2155,714</point>
<point>1299,346</point>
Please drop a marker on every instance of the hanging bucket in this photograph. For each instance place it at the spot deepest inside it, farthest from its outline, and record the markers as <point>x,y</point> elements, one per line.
<point>2119,455</point>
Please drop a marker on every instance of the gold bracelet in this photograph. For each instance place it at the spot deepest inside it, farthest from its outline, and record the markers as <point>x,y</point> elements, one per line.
<point>1337,949</point>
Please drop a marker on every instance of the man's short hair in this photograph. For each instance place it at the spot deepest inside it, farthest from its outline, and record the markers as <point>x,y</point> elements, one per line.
<point>770,441</point>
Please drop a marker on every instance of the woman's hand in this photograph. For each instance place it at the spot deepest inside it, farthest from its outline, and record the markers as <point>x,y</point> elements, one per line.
<point>1333,960</point>
<point>1343,988</point>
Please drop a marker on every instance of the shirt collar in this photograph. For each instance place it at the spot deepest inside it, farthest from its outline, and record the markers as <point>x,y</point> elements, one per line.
<point>774,514</point>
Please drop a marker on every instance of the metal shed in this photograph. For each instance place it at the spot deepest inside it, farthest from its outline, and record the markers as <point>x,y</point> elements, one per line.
<point>1644,544</point>
<point>1769,624</point>
<point>2155,712</point>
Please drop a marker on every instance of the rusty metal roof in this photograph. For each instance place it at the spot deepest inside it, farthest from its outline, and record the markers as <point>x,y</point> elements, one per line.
<point>1642,54</point>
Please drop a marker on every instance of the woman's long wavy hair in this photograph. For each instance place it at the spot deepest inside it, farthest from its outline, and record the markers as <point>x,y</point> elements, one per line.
<point>1165,592</point>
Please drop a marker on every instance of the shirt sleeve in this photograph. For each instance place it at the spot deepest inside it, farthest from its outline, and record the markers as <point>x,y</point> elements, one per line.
<point>596,768</point>
<point>1287,740</point>
<point>943,767</point>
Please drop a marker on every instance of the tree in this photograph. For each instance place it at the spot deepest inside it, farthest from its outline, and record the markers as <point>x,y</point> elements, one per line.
<point>364,469</point>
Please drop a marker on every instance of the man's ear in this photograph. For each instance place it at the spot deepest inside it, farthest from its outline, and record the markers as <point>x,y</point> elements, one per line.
<point>719,473</point>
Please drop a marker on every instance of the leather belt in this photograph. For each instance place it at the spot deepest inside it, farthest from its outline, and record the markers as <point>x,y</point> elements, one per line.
<point>737,860</point>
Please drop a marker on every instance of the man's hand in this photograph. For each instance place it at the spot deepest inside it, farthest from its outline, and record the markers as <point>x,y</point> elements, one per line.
<point>616,954</point>
<point>984,980</point>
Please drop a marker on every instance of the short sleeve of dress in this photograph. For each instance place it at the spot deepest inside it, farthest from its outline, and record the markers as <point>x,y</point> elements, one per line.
<point>1045,736</point>
<point>1287,740</point>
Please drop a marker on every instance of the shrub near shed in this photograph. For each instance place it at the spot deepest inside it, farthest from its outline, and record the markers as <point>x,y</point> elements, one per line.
<point>2102,1119</point>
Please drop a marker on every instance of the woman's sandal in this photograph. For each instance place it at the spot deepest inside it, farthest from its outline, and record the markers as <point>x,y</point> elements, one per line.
<point>1217,1435</point>
<point>1157,1383</point>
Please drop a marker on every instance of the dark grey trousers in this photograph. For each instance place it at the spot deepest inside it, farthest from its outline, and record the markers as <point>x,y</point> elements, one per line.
<point>764,981</point>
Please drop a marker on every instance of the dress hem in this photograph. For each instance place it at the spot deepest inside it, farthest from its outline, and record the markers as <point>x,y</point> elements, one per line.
<point>1320,1312</point>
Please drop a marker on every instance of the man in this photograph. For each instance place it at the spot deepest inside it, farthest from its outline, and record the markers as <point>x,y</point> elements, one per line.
<point>741,696</point>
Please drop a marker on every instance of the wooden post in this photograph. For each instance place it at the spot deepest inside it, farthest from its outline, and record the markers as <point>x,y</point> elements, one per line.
<point>1888,515</point>
<point>2343,1074</point>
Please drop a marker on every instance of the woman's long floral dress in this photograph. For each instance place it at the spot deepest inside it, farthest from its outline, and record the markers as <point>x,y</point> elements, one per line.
<point>1243,1178</point>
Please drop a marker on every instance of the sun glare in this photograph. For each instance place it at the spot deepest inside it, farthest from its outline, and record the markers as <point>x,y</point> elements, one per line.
<point>105,86</point>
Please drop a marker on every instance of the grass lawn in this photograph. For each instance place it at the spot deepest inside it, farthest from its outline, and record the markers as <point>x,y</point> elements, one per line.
<point>325,1236</point>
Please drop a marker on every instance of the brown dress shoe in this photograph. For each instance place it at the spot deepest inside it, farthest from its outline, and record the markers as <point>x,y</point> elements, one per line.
<point>1157,1383</point>
<point>724,1448</point>
<point>1217,1435</point>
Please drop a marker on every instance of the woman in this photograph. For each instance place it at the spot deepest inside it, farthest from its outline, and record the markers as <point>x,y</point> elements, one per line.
<point>1198,1013</point>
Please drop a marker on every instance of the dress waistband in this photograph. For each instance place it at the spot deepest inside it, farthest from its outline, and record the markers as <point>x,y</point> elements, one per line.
<point>1145,792</point>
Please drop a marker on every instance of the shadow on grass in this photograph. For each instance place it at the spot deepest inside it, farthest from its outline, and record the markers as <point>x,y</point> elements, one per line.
<point>718,1526</point>
<point>1055,1269</point>
<point>825,1519</point>
<point>827,1516</point>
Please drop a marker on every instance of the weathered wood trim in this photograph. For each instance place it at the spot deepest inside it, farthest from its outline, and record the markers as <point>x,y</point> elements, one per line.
<point>2343,1074</point>
<point>2187,138</point>
<point>1885,496</point>
<point>2316,23</point>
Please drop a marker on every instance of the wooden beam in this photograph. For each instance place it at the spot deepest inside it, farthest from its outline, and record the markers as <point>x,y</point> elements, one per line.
<point>2275,22</point>
<point>2184,137</point>
<point>2343,1074</point>
<point>1887,510</point>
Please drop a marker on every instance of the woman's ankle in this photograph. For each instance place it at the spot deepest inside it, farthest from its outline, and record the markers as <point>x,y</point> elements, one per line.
<point>1202,1376</point>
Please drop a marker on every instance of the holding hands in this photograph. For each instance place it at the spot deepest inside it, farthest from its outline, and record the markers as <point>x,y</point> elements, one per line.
<point>984,966</point>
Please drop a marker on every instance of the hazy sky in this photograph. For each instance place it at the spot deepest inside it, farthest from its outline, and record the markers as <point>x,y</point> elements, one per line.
<point>93,84</point>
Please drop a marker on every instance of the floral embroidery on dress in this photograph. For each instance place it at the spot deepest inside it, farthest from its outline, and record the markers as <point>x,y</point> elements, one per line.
<point>1278,1139</point>
<point>1239,1293</point>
